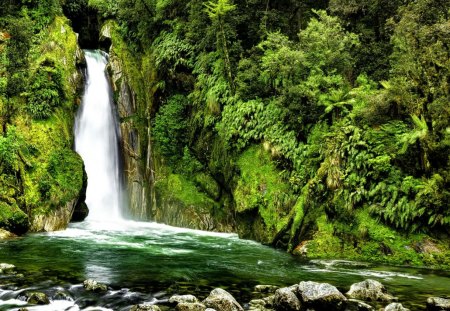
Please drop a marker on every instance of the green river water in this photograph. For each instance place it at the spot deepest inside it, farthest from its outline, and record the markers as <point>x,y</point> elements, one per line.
<point>147,262</point>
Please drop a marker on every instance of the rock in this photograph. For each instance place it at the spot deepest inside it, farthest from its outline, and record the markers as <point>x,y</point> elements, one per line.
<point>221,300</point>
<point>6,268</point>
<point>264,304</point>
<point>437,303</point>
<point>357,305</point>
<point>94,286</point>
<point>80,212</point>
<point>60,295</point>
<point>190,306</point>
<point>37,298</point>
<point>322,296</point>
<point>286,300</point>
<point>143,307</point>
<point>301,249</point>
<point>395,306</point>
<point>210,309</point>
<point>370,290</point>
<point>6,234</point>
<point>266,289</point>
<point>175,299</point>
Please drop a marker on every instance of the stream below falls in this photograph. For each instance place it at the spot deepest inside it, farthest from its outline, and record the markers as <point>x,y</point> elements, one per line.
<point>147,262</point>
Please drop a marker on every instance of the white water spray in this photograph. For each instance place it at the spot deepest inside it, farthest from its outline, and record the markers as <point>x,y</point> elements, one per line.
<point>96,141</point>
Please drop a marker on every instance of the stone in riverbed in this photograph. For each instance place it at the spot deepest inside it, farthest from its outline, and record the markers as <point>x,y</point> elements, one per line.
<point>143,307</point>
<point>266,289</point>
<point>6,268</point>
<point>321,296</point>
<point>370,290</point>
<point>438,304</point>
<point>357,305</point>
<point>190,306</point>
<point>37,298</point>
<point>285,299</point>
<point>175,299</point>
<point>395,306</point>
<point>94,286</point>
<point>221,300</point>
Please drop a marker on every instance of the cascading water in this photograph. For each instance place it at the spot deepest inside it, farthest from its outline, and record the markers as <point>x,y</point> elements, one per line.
<point>96,141</point>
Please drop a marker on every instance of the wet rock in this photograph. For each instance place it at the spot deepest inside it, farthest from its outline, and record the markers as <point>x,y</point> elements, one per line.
<point>257,305</point>
<point>285,299</point>
<point>175,299</point>
<point>221,300</point>
<point>210,309</point>
<point>395,306</point>
<point>60,295</point>
<point>6,234</point>
<point>322,296</point>
<point>438,304</point>
<point>190,306</point>
<point>37,298</point>
<point>94,286</point>
<point>143,307</point>
<point>266,289</point>
<point>6,268</point>
<point>80,212</point>
<point>357,305</point>
<point>370,290</point>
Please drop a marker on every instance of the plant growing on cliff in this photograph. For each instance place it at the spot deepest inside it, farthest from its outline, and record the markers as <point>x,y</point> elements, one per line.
<point>46,92</point>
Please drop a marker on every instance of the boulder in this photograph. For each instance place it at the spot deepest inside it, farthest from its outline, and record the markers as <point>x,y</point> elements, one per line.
<point>266,289</point>
<point>6,234</point>
<point>175,299</point>
<point>437,303</point>
<point>143,307</point>
<point>285,299</point>
<point>190,306</point>
<point>37,298</point>
<point>6,268</point>
<point>322,296</point>
<point>94,286</point>
<point>370,290</point>
<point>395,306</point>
<point>221,300</point>
<point>357,305</point>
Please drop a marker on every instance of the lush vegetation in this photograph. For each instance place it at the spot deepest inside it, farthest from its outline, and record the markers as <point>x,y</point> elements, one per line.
<point>321,121</point>
<point>39,172</point>
<point>308,114</point>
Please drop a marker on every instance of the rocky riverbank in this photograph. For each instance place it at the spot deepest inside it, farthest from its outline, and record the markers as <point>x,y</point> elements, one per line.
<point>367,295</point>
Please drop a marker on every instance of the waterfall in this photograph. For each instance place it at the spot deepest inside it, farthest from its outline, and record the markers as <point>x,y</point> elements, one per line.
<point>97,142</point>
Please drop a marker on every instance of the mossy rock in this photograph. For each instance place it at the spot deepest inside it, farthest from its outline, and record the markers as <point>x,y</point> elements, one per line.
<point>13,219</point>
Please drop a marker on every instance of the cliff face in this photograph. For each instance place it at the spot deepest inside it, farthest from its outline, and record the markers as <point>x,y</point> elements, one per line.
<point>44,181</point>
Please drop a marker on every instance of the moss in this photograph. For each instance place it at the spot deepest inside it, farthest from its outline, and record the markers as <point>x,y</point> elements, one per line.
<point>185,191</point>
<point>12,218</point>
<point>261,188</point>
<point>367,240</point>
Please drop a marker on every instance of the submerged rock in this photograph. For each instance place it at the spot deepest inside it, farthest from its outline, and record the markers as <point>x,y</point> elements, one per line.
<point>94,286</point>
<point>176,299</point>
<point>357,305</point>
<point>438,304</point>
<point>266,289</point>
<point>370,290</point>
<point>37,298</point>
<point>6,268</point>
<point>143,307</point>
<point>285,299</point>
<point>221,300</point>
<point>395,306</point>
<point>322,296</point>
<point>190,306</point>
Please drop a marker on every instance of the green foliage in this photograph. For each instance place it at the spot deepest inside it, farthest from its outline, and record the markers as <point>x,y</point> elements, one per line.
<point>10,147</point>
<point>45,92</point>
<point>169,130</point>
<point>13,219</point>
